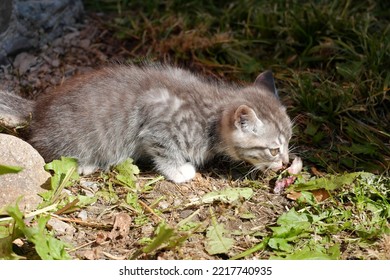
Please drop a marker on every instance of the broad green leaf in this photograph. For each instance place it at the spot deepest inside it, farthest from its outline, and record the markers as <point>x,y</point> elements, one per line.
<point>308,254</point>
<point>85,200</point>
<point>163,234</point>
<point>132,200</point>
<point>189,226</point>
<point>228,195</point>
<point>261,246</point>
<point>126,172</point>
<point>292,225</point>
<point>47,246</point>
<point>6,238</point>
<point>217,242</point>
<point>280,244</point>
<point>293,218</point>
<point>109,195</point>
<point>61,168</point>
<point>6,252</point>
<point>5,169</point>
<point>330,182</point>
<point>289,232</point>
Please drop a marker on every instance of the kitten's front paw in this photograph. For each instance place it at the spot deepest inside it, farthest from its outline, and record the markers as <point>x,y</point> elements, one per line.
<point>182,174</point>
<point>87,169</point>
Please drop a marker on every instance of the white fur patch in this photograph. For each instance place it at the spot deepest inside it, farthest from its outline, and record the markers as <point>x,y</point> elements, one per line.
<point>161,97</point>
<point>184,173</point>
<point>87,169</point>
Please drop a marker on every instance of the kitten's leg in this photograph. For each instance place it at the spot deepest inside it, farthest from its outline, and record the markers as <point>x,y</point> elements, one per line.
<point>175,173</point>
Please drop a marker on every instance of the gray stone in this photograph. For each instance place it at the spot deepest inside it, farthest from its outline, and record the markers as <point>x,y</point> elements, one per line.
<point>61,227</point>
<point>27,183</point>
<point>26,24</point>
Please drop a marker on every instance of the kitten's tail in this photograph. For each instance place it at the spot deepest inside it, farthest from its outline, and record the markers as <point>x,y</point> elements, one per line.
<point>15,111</point>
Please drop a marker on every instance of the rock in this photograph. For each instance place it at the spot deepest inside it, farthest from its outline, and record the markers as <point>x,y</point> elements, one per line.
<point>26,24</point>
<point>27,183</point>
<point>83,215</point>
<point>61,227</point>
<point>64,231</point>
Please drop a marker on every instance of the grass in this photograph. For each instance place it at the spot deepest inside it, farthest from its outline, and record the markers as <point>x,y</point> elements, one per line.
<point>331,61</point>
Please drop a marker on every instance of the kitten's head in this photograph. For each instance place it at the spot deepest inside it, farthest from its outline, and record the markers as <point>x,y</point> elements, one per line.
<point>257,129</point>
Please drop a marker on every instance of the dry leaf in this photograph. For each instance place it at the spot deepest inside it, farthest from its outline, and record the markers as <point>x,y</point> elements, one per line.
<point>316,172</point>
<point>92,254</point>
<point>121,227</point>
<point>319,195</point>
<point>101,237</point>
<point>293,195</point>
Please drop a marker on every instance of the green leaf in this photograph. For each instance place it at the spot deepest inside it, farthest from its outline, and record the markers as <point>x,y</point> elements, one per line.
<point>85,200</point>
<point>261,246</point>
<point>280,244</point>
<point>228,195</point>
<point>126,172</point>
<point>293,218</point>
<point>308,254</point>
<point>61,168</point>
<point>47,246</point>
<point>132,200</point>
<point>6,239</point>
<point>5,169</point>
<point>109,195</point>
<point>292,225</point>
<point>163,234</point>
<point>217,242</point>
<point>6,252</point>
<point>289,232</point>
<point>330,182</point>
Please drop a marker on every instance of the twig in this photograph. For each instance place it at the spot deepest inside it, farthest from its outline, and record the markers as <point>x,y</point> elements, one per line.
<point>84,223</point>
<point>150,210</point>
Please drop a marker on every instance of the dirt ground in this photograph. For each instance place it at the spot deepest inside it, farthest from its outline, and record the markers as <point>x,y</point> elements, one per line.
<point>110,229</point>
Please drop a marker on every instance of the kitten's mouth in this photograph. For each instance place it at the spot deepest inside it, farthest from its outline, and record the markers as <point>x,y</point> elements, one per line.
<point>294,168</point>
<point>277,168</point>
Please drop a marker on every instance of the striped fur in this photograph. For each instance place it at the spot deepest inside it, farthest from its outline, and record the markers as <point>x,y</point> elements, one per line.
<point>173,117</point>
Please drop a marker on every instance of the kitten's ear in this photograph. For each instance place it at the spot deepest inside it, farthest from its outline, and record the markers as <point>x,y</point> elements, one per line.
<point>245,118</point>
<point>266,79</point>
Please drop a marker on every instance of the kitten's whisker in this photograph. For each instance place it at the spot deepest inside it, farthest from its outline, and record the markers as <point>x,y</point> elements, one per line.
<point>251,171</point>
<point>292,149</point>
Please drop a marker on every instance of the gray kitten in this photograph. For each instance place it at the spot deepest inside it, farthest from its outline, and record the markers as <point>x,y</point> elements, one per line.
<point>175,118</point>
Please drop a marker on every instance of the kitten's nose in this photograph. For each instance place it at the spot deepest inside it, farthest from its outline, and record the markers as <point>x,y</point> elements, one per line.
<point>285,158</point>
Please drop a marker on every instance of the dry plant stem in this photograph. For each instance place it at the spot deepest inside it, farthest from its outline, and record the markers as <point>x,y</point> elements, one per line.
<point>150,210</point>
<point>84,223</point>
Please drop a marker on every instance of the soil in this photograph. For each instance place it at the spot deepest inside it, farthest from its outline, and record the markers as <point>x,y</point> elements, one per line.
<point>110,228</point>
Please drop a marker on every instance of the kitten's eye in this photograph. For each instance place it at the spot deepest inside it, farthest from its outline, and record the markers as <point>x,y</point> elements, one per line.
<point>274,152</point>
